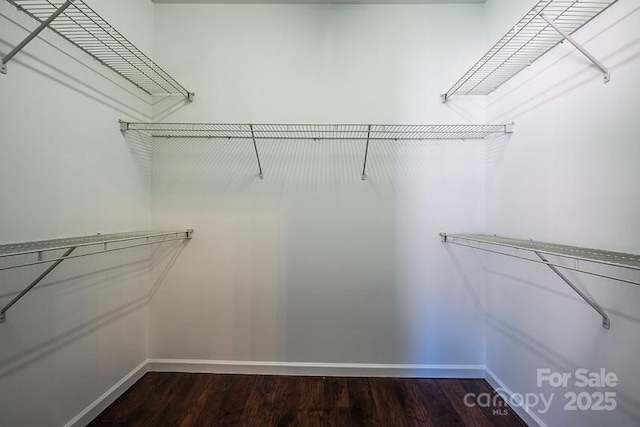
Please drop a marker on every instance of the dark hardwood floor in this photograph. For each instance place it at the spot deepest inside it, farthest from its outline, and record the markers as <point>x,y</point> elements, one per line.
<point>179,399</point>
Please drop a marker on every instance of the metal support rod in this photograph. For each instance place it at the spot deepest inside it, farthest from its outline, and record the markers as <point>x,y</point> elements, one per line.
<point>34,283</point>
<point>605,319</point>
<point>366,153</point>
<point>255,147</point>
<point>27,264</point>
<point>600,65</point>
<point>33,35</point>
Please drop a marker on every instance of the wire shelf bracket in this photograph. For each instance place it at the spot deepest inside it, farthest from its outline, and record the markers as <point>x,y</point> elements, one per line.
<point>540,249</point>
<point>366,152</point>
<point>255,147</point>
<point>44,24</point>
<point>70,245</point>
<point>547,24</point>
<point>316,132</point>
<point>606,323</point>
<point>76,22</point>
<point>566,36</point>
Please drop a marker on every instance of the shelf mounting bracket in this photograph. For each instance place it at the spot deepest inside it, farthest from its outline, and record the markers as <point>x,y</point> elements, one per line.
<point>44,24</point>
<point>606,323</point>
<point>566,36</point>
<point>255,147</point>
<point>3,316</point>
<point>366,153</point>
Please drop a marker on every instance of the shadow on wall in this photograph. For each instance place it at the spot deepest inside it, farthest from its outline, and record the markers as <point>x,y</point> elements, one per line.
<point>559,288</point>
<point>164,106</point>
<point>229,166</point>
<point>72,82</point>
<point>95,281</point>
<point>140,147</point>
<point>546,356</point>
<point>626,403</point>
<point>534,99</point>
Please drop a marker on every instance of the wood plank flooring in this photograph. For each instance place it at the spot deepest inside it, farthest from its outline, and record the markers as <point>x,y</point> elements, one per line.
<point>180,399</point>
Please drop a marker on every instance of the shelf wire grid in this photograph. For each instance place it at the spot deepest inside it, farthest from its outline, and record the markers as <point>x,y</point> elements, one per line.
<point>527,41</point>
<point>82,26</point>
<point>15,249</point>
<point>316,131</point>
<point>616,259</point>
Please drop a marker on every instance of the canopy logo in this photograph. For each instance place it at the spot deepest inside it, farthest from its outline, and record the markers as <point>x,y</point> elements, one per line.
<point>595,395</point>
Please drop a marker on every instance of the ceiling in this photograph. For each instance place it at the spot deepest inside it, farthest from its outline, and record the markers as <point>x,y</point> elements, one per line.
<point>321,1</point>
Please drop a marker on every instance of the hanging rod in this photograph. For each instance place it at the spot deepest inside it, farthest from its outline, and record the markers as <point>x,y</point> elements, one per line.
<point>69,245</point>
<point>316,132</point>
<point>79,24</point>
<point>608,258</point>
<point>533,36</point>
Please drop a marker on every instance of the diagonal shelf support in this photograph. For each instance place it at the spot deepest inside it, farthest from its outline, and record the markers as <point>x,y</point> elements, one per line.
<point>606,323</point>
<point>122,241</point>
<point>626,261</point>
<point>255,147</point>
<point>566,36</point>
<point>33,35</point>
<point>3,316</point>
<point>366,153</point>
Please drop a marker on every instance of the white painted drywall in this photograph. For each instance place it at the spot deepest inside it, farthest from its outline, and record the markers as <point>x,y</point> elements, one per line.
<point>65,170</point>
<point>312,264</point>
<point>568,175</point>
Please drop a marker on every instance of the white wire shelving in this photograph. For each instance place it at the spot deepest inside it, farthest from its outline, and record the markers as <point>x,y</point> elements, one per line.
<point>76,22</point>
<point>501,245</point>
<point>63,249</point>
<point>316,132</point>
<point>548,23</point>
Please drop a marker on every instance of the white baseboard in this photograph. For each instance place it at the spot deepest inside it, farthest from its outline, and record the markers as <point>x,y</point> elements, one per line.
<point>316,369</point>
<point>108,397</point>
<point>524,412</point>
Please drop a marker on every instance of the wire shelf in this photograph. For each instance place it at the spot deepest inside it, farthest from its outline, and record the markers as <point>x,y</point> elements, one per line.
<point>597,256</point>
<point>618,259</point>
<point>315,131</point>
<point>121,241</point>
<point>82,26</point>
<point>527,41</point>
<point>15,249</point>
<point>540,249</point>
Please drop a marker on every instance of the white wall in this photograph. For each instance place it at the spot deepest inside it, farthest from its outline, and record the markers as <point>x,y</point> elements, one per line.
<point>311,264</point>
<point>568,175</point>
<point>65,170</point>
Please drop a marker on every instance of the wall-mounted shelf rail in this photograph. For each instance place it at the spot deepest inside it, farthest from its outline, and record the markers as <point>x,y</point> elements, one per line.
<point>548,23</point>
<point>94,244</point>
<point>82,26</point>
<point>492,244</point>
<point>316,132</point>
